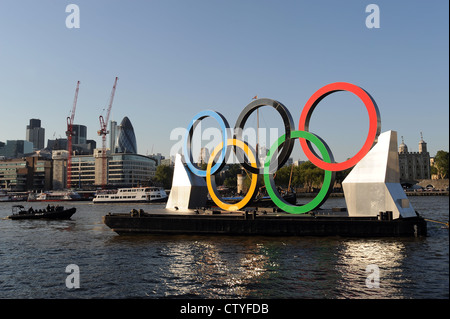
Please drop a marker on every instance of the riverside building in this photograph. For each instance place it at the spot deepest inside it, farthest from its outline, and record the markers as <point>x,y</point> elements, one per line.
<point>123,169</point>
<point>27,173</point>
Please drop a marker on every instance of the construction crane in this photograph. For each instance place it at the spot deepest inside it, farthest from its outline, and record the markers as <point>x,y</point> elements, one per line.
<point>103,132</point>
<point>69,134</point>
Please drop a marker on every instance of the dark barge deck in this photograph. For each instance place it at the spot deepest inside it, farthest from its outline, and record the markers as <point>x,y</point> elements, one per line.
<point>263,224</point>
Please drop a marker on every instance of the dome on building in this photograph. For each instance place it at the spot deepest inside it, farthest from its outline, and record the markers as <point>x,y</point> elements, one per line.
<point>403,149</point>
<point>126,140</point>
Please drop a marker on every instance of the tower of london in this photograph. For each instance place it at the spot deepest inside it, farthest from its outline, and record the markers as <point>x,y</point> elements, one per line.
<point>414,165</point>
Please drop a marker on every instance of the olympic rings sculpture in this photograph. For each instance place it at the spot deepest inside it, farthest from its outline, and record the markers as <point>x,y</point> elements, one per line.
<point>282,148</point>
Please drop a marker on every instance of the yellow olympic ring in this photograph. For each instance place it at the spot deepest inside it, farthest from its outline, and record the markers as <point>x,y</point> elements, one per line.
<point>210,182</point>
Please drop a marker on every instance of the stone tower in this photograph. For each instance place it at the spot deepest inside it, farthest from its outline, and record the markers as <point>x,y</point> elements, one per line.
<point>422,145</point>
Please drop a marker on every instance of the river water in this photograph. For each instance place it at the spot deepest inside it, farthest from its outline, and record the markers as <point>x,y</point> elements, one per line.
<point>34,255</point>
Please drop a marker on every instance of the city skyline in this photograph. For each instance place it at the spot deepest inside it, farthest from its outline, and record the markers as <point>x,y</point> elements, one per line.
<point>201,153</point>
<point>177,58</point>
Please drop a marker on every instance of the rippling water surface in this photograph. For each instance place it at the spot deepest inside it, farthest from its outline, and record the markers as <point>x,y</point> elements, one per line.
<point>34,255</point>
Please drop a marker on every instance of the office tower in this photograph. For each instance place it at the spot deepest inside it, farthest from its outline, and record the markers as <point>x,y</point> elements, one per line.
<point>79,134</point>
<point>35,134</point>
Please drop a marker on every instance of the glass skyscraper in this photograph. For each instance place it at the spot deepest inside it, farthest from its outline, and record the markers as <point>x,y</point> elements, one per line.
<point>126,140</point>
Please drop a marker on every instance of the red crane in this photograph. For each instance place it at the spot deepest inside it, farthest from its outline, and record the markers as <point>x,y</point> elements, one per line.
<point>103,132</point>
<point>69,134</point>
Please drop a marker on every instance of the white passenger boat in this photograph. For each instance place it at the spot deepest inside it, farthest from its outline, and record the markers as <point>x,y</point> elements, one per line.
<point>132,195</point>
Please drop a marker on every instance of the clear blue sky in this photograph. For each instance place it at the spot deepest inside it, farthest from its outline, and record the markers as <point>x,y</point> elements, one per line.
<point>176,58</point>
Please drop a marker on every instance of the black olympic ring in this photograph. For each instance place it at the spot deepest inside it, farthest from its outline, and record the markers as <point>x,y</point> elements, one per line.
<point>288,125</point>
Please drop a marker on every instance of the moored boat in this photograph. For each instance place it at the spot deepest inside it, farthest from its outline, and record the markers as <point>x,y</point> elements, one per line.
<point>5,197</point>
<point>51,212</point>
<point>54,196</point>
<point>132,195</point>
<point>11,197</point>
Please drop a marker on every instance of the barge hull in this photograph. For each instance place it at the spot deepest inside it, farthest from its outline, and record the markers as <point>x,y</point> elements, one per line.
<point>264,225</point>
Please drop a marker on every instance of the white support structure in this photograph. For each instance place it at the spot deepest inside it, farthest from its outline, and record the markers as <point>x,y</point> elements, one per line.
<point>373,185</point>
<point>189,191</point>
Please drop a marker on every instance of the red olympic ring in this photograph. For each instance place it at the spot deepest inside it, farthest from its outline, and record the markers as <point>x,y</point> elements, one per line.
<point>374,126</point>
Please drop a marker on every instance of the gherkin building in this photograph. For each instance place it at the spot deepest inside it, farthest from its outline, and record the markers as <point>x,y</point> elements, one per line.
<point>126,140</point>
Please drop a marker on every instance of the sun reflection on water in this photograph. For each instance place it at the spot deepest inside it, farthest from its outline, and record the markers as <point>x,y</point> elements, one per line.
<point>216,272</point>
<point>316,267</point>
<point>354,256</point>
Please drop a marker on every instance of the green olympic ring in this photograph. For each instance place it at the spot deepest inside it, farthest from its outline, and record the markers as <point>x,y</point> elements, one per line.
<point>328,178</point>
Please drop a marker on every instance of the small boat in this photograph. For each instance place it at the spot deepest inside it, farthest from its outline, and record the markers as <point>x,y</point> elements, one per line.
<point>132,195</point>
<point>51,212</point>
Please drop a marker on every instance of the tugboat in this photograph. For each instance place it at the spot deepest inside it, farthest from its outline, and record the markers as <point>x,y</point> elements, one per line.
<point>51,212</point>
